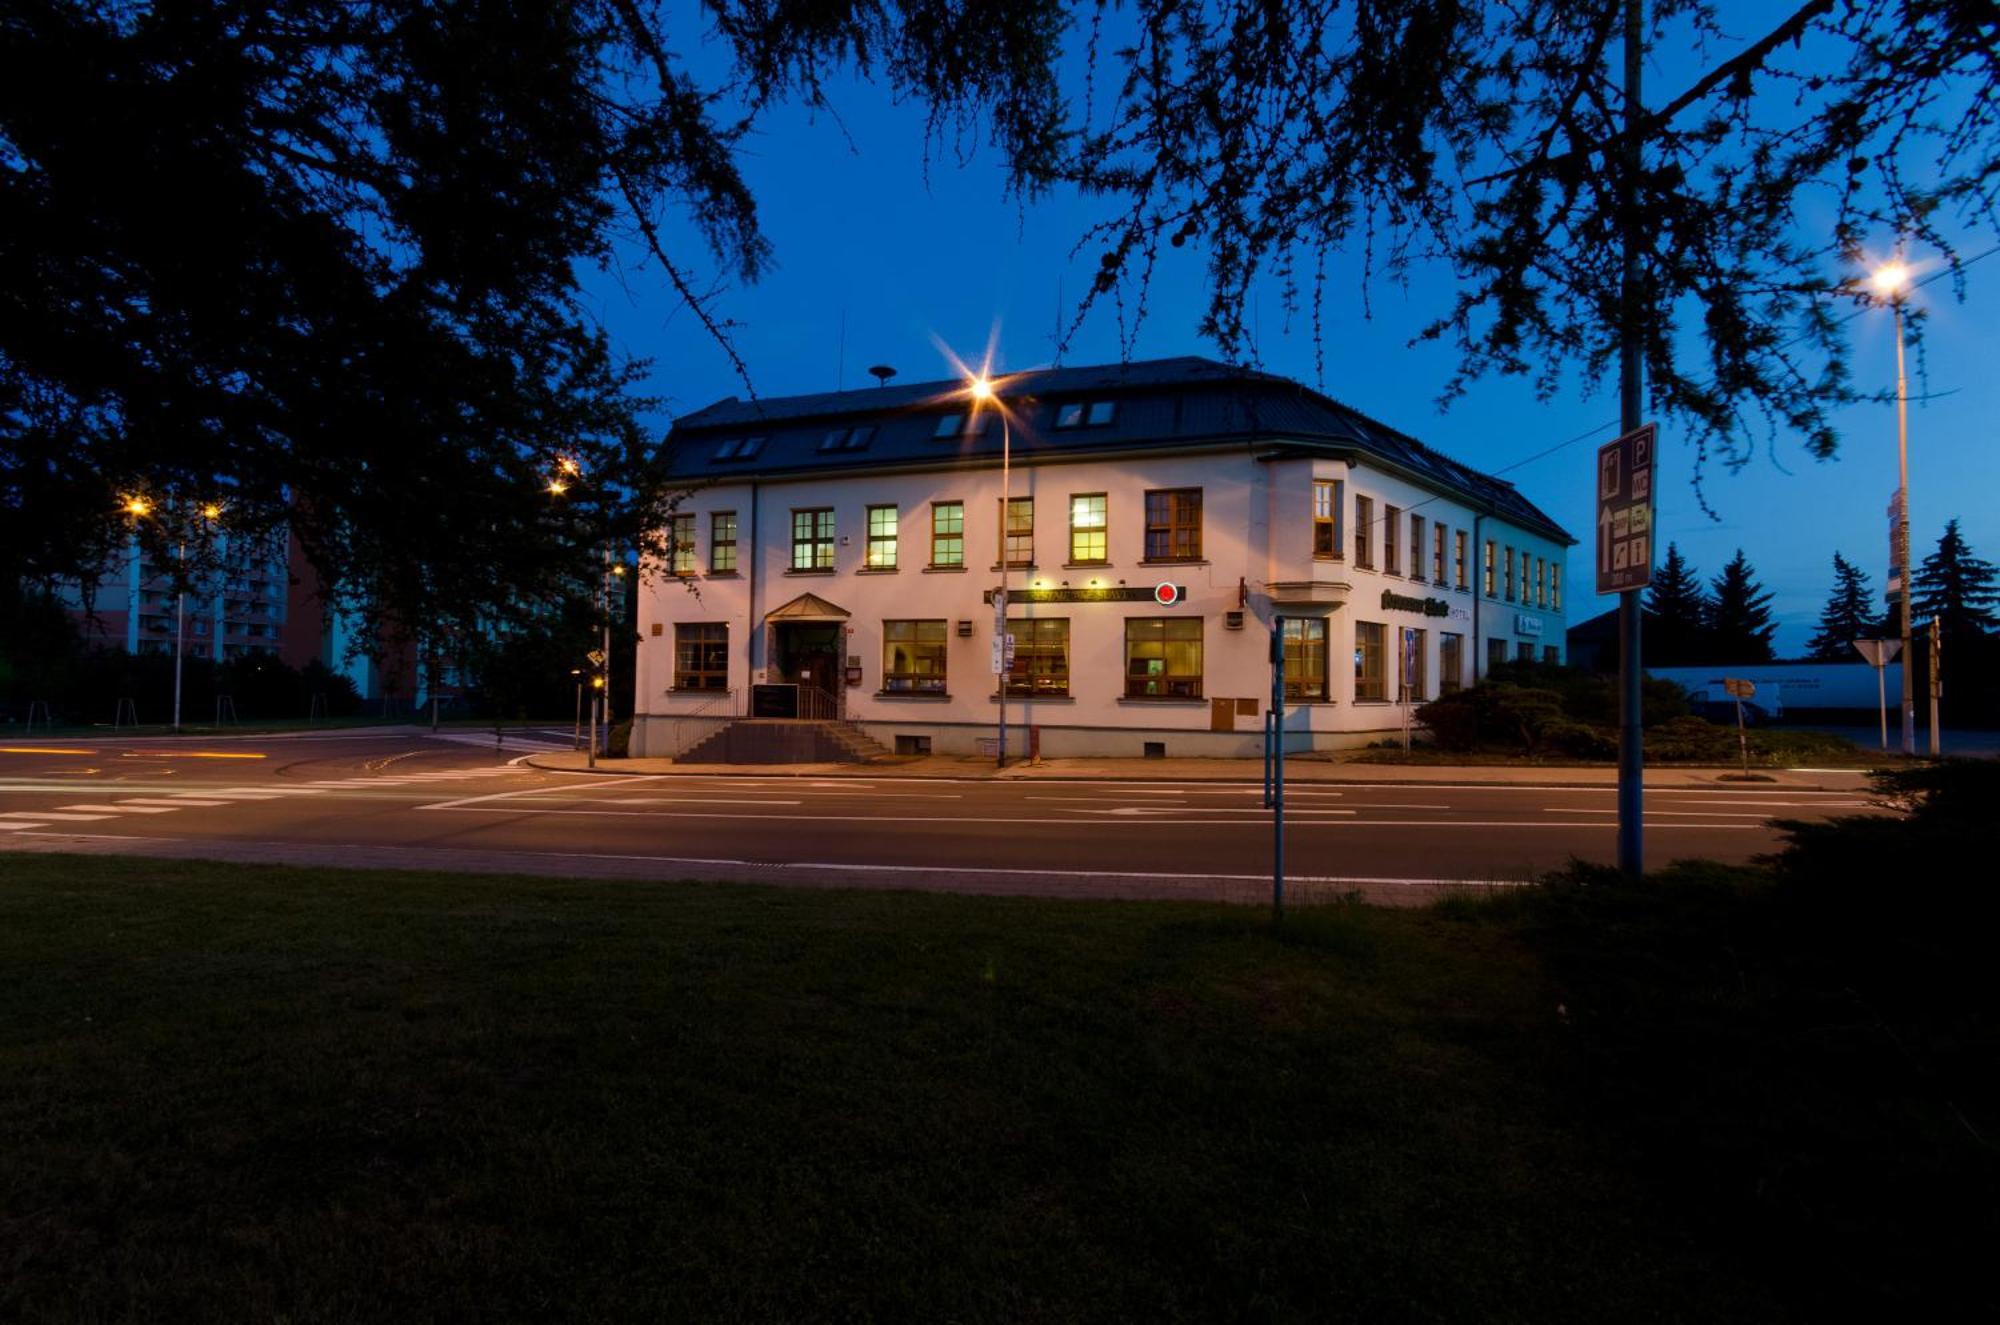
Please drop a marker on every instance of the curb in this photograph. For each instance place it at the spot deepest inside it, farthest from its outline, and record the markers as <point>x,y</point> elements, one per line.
<point>741,771</point>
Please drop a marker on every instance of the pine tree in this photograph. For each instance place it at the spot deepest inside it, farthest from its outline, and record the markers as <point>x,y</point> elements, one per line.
<point>1739,621</point>
<point>1848,615</point>
<point>1677,614</point>
<point>1958,589</point>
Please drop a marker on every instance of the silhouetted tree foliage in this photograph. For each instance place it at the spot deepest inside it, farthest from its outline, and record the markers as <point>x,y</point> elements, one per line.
<point>1850,614</point>
<point>1739,618</point>
<point>1957,588</point>
<point>1676,630</point>
<point>321,259</point>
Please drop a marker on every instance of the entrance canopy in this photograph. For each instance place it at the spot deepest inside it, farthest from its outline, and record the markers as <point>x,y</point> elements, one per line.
<point>806,607</point>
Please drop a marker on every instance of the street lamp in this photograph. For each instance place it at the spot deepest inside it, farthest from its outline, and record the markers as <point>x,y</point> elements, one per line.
<point>1891,281</point>
<point>983,392</point>
<point>139,508</point>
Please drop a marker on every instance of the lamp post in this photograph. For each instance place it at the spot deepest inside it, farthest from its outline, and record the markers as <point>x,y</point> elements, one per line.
<point>138,508</point>
<point>1891,281</point>
<point>983,393</point>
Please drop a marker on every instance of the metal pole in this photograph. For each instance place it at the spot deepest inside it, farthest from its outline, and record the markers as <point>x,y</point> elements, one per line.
<point>576,737</point>
<point>1882,698</point>
<point>1278,769</point>
<point>1937,688</point>
<point>180,626</point>
<point>1270,716</point>
<point>1903,534</point>
<point>604,697</point>
<point>1000,604</point>
<point>1631,748</point>
<point>590,751</point>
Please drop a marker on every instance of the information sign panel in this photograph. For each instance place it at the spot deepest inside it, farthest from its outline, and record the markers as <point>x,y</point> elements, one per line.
<point>1625,512</point>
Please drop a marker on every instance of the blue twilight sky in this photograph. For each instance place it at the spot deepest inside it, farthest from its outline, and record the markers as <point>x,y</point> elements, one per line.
<point>868,240</point>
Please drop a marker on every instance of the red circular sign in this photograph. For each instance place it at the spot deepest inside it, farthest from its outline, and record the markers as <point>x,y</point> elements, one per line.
<point>1166,595</point>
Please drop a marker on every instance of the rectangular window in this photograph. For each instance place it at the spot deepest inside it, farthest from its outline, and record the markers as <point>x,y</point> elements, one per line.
<point>812,539</point>
<point>1451,663</point>
<point>1552,655</point>
<point>1411,672</point>
<point>1459,568</point>
<point>913,657</point>
<point>680,545</point>
<point>1088,528</point>
<point>1416,547</point>
<point>949,425</point>
<point>722,543</point>
<point>1163,658</point>
<point>1541,583</point>
<point>1490,555</point>
<point>1041,656</point>
<point>1392,560</point>
<point>1305,658</point>
<point>1496,653</point>
<point>947,533</point>
<point>1524,652</point>
<point>1369,677</point>
<point>1020,531</point>
<point>1438,533</point>
<point>701,655</point>
<point>1173,524</point>
<point>1364,532</point>
<point>881,551</point>
<point>1326,519</point>
<point>1510,574</point>
<point>1556,585</point>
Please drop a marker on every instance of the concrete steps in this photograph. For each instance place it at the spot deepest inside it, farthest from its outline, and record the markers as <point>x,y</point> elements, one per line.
<point>785,741</point>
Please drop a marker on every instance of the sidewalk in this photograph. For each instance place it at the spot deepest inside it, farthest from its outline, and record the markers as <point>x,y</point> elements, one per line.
<point>972,768</point>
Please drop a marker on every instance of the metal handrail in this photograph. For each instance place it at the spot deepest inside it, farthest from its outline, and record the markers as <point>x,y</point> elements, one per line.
<point>817,704</point>
<point>720,704</point>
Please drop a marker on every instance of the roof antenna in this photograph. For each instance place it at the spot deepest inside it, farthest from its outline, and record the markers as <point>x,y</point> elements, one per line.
<point>881,372</point>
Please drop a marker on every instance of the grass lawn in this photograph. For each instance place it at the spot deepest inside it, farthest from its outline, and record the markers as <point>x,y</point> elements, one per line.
<point>282,1094</point>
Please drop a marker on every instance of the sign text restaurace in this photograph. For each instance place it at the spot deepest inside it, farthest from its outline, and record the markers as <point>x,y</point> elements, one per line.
<point>1395,602</point>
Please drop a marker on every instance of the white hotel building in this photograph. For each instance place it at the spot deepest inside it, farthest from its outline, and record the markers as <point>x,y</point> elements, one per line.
<point>836,557</point>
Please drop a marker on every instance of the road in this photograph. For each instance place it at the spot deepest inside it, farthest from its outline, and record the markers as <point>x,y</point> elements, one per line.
<point>404,799</point>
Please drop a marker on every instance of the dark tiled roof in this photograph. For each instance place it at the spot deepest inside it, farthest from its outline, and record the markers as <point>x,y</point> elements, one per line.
<point>1159,403</point>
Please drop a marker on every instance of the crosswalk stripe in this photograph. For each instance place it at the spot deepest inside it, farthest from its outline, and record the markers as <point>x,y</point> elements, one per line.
<point>51,814</point>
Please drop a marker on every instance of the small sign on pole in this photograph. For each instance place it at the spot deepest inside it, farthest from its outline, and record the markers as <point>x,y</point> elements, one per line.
<point>1740,690</point>
<point>1625,512</point>
<point>1880,653</point>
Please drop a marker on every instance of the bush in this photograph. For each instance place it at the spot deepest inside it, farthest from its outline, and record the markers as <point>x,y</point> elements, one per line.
<point>1580,740</point>
<point>1690,738</point>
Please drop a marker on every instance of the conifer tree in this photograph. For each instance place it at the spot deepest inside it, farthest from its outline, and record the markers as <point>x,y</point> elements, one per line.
<point>1677,614</point>
<point>1739,619</point>
<point>1848,616</point>
<point>1958,589</point>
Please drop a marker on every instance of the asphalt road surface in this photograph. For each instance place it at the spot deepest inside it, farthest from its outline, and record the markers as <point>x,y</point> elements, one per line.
<point>408,800</point>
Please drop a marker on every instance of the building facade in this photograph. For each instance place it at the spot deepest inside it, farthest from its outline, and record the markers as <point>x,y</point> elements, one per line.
<point>840,556</point>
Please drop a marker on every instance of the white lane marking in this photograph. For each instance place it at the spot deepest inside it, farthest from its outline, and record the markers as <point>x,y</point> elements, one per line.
<point>1737,800</point>
<point>169,802</point>
<point>1194,809</point>
<point>52,814</point>
<point>708,800</point>
<point>1292,782</point>
<point>7,827</point>
<point>196,798</point>
<point>531,791</point>
<point>126,807</point>
<point>1650,812</point>
<point>471,805</point>
<point>269,791</point>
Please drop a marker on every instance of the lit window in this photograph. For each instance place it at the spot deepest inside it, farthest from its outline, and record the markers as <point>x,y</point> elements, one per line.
<point>722,543</point>
<point>1326,519</point>
<point>1369,679</point>
<point>1088,528</point>
<point>680,545</point>
<point>1490,554</point>
<point>701,656</point>
<point>913,657</point>
<point>1438,533</point>
<point>1173,525</point>
<point>1305,658</point>
<point>1163,658</point>
<point>1041,656</point>
<point>812,539</point>
<point>881,553</point>
<point>948,533</point>
<point>1021,531</point>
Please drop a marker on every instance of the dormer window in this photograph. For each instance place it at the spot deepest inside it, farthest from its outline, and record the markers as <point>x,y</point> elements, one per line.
<point>1086,413</point>
<point>949,425</point>
<point>739,448</point>
<point>847,439</point>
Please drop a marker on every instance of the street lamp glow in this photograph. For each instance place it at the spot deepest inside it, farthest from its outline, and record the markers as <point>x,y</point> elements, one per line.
<point>212,511</point>
<point>618,570</point>
<point>1889,279</point>
<point>569,466</point>
<point>137,506</point>
<point>982,388</point>
<point>557,487</point>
